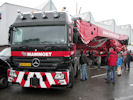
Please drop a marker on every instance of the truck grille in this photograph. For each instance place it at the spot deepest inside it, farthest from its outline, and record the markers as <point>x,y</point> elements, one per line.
<point>45,62</point>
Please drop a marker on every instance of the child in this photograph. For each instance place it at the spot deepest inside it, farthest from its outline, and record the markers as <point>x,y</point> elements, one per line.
<point>119,64</point>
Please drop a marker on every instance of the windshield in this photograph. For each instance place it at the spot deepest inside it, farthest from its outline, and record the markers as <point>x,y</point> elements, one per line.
<point>40,35</point>
<point>6,52</point>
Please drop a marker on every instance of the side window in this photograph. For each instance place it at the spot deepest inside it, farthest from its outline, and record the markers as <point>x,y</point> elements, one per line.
<point>17,35</point>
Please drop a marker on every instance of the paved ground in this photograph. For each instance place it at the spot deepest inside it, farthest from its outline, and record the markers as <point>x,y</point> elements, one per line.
<point>94,88</point>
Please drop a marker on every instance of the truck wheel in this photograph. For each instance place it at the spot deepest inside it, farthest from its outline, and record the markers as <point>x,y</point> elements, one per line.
<point>71,78</point>
<point>3,82</point>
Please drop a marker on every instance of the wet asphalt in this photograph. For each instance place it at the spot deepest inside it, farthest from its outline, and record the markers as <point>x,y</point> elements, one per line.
<point>95,88</point>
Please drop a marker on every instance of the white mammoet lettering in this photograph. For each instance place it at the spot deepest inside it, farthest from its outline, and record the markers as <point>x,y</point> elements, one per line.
<point>39,53</point>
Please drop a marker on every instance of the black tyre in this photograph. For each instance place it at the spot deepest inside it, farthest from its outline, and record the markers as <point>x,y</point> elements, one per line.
<point>3,82</point>
<point>71,77</point>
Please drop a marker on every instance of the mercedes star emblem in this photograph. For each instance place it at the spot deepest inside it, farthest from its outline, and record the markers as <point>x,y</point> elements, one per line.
<point>35,62</point>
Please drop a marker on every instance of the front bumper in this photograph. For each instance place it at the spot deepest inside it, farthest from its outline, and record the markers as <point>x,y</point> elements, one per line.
<point>38,79</point>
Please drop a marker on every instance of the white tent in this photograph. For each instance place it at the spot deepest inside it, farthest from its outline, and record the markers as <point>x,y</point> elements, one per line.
<point>49,6</point>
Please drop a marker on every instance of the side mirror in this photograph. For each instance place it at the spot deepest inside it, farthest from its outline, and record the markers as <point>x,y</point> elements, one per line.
<point>9,35</point>
<point>75,35</point>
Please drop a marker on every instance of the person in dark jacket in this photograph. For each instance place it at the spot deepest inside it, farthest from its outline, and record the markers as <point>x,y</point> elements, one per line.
<point>112,60</point>
<point>92,57</point>
<point>128,60</point>
<point>83,62</point>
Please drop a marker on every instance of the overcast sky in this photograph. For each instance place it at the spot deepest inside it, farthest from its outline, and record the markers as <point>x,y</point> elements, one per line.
<point>120,10</point>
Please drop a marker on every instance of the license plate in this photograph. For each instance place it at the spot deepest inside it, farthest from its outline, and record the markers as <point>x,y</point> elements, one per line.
<point>25,64</point>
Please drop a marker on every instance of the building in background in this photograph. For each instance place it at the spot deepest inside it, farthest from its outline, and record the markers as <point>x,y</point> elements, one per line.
<point>132,37</point>
<point>120,29</point>
<point>8,14</point>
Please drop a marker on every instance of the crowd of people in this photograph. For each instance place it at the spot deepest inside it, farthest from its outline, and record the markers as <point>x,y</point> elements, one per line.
<point>114,61</point>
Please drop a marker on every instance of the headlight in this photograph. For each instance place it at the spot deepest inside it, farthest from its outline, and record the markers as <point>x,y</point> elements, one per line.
<point>59,76</point>
<point>12,73</point>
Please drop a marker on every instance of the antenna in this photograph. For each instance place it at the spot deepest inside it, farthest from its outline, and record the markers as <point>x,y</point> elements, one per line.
<point>50,4</point>
<point>80,10</point>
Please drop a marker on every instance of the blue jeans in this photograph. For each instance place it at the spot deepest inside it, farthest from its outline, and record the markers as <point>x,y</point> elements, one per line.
<point>99,65</point>
<point>112,70</point>
<point>127,63</point>
<point>84,73</point>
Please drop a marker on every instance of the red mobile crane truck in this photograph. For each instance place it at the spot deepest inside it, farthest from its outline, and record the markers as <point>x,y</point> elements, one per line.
<point>45,48</point>
<point>97,39</point>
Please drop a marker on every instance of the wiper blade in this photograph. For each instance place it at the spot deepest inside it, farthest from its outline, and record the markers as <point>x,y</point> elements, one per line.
<point>23,46</point>
<point>16,43</point>
<point>45,42</point>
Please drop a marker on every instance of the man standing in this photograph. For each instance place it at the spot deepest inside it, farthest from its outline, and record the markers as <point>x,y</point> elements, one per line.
<point>128,60</point>
<point>83,62</point>
<point>112,60</point>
